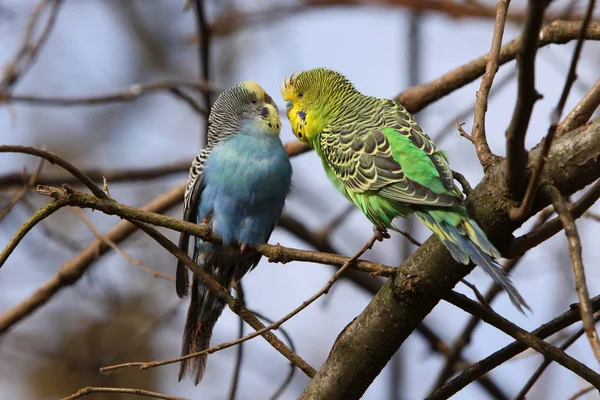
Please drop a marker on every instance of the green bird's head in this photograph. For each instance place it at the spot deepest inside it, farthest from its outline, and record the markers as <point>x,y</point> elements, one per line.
<point>312,98</point>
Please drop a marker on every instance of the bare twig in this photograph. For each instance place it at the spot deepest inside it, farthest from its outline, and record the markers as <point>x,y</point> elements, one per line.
<point>115,247</point>
<point>273,326</point>
<point>486,157</point>
<point>239,354</point>
<point>538,372</point>
<point>582,112</point>
<point>138,392</point>
<point>532,187</point>
<point>290,376</point>
<point>587,315</point>
<point>29,48</point>
<point>466,186</point>
<point>526,97</point>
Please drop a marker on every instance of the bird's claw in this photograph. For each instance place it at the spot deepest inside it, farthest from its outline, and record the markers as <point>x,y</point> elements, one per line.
<point>380,233</point>
<point>243,248</point>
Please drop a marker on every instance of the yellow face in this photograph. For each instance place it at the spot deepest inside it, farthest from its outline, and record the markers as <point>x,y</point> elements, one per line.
<point>263,107</point>
<point>297,106</point>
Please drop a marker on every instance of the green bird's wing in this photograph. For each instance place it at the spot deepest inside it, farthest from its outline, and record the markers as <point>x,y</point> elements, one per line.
<point>389,153</point>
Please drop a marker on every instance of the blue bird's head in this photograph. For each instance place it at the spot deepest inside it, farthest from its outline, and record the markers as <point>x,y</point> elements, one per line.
<point>245,104</point>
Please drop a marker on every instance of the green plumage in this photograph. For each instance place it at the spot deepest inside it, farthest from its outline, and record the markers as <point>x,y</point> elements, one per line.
<point>381,159</point>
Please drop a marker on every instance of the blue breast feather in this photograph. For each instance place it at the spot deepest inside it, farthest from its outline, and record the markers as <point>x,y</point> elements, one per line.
<point>246,180</point>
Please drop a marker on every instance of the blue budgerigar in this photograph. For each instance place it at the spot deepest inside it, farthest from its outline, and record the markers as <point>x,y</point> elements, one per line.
<point>237,185</point>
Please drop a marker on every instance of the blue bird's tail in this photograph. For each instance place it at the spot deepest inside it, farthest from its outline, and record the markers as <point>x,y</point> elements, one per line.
<point>203,313</point>
<point>467,243</point>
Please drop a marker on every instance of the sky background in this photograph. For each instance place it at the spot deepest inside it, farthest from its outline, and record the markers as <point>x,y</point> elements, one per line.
<point>119,313</point>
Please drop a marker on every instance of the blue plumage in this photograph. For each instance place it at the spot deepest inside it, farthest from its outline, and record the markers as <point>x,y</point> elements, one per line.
<point>237,185</point>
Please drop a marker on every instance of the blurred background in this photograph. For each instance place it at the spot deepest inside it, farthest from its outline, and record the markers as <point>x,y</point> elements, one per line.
<point>117,312</point>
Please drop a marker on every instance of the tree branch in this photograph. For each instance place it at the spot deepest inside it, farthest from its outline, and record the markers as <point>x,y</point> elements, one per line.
<point>582,112</point>
<point>138,392</point>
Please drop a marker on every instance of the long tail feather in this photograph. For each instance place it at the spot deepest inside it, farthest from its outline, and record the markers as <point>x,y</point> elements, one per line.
<point>203,313</point>
<point>467,242</point>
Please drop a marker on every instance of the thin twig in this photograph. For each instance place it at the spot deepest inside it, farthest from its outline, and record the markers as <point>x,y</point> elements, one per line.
<point>540,370</point>
<point>115,247</point>
<point>466,186</point>
<point>536,175</point>
<point>239,354</point>
<point>265,329</point>
<point>587,315</point>
<point>26,188</point>
<point>582,112</point>
<point>526,97</point>
<point>138,392</point>
<point>132,93</point>
<point>290,375</point>
<point>204,36</point>
<point>486,157</point>
<point>29,48</point>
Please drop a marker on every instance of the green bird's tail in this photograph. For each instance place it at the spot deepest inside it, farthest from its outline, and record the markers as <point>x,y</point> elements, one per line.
<point>466,242</point>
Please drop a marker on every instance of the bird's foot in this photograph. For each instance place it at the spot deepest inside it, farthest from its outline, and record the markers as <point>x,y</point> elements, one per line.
<point>243,248</point>
<point>205,221</point>
<point>381,233</point>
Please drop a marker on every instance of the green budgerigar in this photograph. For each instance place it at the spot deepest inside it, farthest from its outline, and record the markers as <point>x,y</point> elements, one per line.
<point>377,155</point>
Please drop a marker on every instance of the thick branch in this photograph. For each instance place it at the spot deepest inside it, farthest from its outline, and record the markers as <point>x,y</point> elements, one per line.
<point>377,333</point>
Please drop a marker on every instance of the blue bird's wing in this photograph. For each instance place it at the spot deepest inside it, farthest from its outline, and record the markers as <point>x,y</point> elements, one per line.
<point>193,192</point>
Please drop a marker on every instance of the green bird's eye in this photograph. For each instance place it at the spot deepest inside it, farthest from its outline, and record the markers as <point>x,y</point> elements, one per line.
<point>300,95</point>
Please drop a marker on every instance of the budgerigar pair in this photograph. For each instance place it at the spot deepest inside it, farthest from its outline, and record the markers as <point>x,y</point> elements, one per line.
<point>371,149</point>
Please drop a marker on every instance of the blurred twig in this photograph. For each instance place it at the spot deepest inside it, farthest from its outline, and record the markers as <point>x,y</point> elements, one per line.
<point>115,247</point>
<point>29,184</point>
<point>534,181</point>
<point>568,222</point>
<point>138,392</point>
<point>29,47</point>
<point>581,392</point>
<point>230,22</point>
<point>239,353</point>
<point>204,36</point>
<point>132,93</point>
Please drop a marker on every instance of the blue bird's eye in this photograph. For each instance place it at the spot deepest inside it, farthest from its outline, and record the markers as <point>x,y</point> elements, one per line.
<point>288,105</point>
